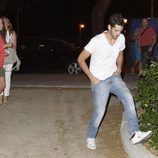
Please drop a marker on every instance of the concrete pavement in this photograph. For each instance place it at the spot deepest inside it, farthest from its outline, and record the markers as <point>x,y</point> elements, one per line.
<point>50,80</point>
<point>51,121</point>
<point>134,151</point>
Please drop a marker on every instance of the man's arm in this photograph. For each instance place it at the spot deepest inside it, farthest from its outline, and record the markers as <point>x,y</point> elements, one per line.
<point>84,55</point>
<point>119,62</point>
<point>153,43</point>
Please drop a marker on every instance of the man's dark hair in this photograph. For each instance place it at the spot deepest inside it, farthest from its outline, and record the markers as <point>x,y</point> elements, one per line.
<point>116,19</point>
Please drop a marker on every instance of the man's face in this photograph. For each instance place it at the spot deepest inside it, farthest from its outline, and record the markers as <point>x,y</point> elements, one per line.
<point>115,31</point>
<point>144,22</point>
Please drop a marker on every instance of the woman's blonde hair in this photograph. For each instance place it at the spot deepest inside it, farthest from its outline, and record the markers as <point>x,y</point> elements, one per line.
<point>10,26</point>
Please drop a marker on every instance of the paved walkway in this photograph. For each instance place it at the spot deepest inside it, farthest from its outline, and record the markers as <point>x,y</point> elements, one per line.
<point>58,80</point>
<point>51,121</point>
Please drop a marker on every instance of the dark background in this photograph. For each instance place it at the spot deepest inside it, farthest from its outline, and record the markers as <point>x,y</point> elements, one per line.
<point>61,18</point>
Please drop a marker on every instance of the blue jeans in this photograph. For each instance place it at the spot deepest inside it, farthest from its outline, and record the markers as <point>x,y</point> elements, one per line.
<point>101,91</point>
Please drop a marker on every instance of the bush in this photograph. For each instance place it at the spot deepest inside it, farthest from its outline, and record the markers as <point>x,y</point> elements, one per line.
<point>147,98</point>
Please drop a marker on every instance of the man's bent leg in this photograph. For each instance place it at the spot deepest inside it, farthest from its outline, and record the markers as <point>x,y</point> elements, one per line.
<point>120,89</point>
<point>100,98</point>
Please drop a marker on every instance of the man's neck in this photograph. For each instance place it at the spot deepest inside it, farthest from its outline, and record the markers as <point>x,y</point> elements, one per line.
<point>109,38</point>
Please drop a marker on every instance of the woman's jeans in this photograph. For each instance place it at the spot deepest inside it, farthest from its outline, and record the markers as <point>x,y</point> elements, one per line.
<point>8,72</point>
<point>101,91</point>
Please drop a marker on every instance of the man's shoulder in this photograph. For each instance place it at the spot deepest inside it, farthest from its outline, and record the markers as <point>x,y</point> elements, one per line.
<point>122,36</point>
<point>151,28</point>
<point>98,36</point>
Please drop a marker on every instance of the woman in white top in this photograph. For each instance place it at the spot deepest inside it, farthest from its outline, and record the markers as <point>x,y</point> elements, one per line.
<point>10,42</point>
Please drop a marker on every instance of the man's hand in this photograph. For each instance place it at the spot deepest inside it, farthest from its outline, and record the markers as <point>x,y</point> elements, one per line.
<point>118,71</point>
<point>94,81</point>
<point>139,49</point>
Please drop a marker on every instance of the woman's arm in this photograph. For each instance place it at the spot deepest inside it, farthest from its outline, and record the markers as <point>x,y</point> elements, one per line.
<point>13,42</point>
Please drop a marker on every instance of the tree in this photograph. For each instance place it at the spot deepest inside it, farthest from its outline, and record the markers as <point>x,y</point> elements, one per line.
<point>16,6</point>
<point>98,14</point>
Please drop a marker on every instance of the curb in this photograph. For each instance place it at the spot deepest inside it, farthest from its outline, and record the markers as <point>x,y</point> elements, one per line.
<point>50,81</point>
<point>133,151</point>
<point>52,86</point>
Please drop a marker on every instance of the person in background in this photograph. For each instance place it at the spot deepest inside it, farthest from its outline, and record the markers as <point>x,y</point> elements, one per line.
<point>106,57</point>
<point>10,42</point>
<point>147,40</point>
<point>137,54</point>
<point>2,83</point>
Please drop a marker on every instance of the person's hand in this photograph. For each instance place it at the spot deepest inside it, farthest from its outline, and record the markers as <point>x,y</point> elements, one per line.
<point>139,49</point>
<point>150,49</point>
<point>118,71</point>
<point>95,81</point>
<point>6,53</point>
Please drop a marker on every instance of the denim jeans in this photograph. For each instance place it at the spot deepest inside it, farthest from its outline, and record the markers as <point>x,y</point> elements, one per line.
<point>101,91</point>
<point>8,73</point>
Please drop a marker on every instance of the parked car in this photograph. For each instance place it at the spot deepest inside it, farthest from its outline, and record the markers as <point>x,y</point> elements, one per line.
<point>44,55</point>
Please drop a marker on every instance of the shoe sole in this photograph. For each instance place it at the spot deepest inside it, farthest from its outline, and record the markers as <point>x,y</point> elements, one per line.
<point>91,148</point>
<point>145,138</point>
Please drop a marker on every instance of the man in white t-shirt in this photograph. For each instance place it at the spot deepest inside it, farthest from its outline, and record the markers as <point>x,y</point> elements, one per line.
<point>106,57</point>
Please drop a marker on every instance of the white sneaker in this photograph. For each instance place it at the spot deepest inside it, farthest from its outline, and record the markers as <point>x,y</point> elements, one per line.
<point>140,137</point>
<point>91,143</point>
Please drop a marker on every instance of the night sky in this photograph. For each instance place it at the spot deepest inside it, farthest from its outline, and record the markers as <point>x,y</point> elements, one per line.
<point>61,19</point>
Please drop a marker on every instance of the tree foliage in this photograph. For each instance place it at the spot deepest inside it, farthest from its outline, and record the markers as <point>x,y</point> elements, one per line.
<point>147,98</point>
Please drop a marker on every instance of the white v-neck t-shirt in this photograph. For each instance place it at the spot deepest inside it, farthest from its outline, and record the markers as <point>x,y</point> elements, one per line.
<point>103,55</point>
